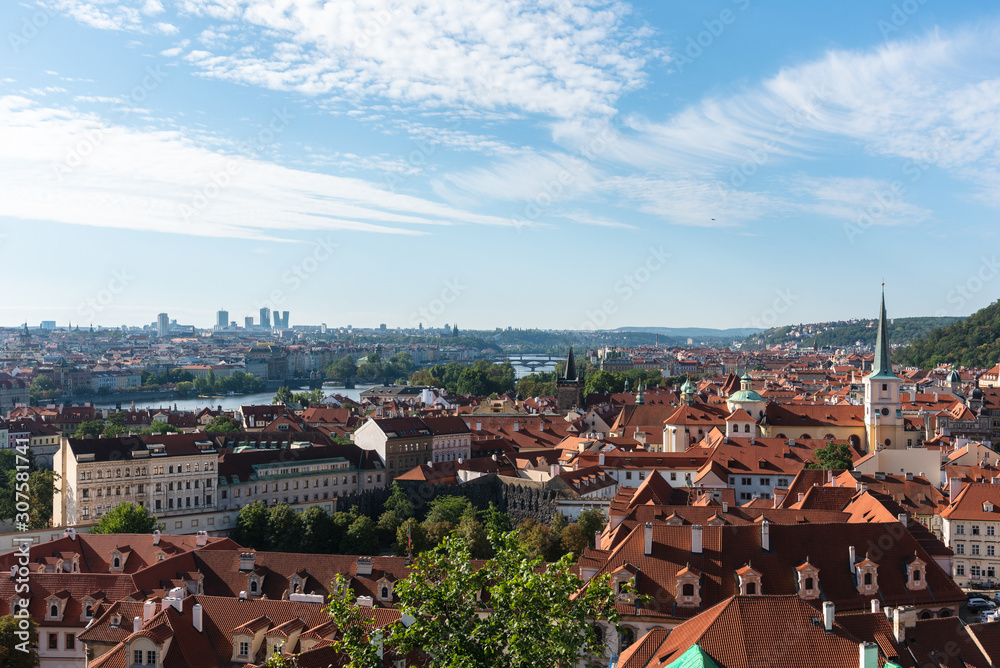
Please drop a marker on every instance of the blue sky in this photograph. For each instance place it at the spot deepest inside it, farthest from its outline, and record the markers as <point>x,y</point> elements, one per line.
<point>555,164</point>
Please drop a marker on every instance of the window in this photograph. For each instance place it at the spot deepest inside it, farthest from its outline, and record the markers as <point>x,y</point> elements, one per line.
<point>752,588</point>
<point>916,576</point>
<point>782,482</point>
<point>53,610</point>
<point>868,578</point>
<point>960,529</point>
<point>959,548</point>
<point>975,529</point>
<point>975,571</point>
<point>628,475</point>
<point>975,549</point>
<point>960,569</point>
<point>118,562</point>
<point>990,551</point>
<point>989,530</point>
<point>809,583</point>
<point>687,589</point>
<point>137,657</point>
<point>53,641</point>
<point>747,481</point>
<point>70,641</point>
<point>151,657</point>
<point>244,648</point>
<point>766,482</point>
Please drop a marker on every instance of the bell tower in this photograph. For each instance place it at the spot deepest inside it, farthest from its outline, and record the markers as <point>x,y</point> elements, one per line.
<point>569,388</point>
<point>883,417</point>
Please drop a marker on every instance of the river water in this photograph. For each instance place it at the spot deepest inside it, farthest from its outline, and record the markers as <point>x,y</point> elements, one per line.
<point>231,403</point>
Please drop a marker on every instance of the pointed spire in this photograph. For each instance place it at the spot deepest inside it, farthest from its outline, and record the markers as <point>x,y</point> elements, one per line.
<point>882,365</point>
<point>570,366</point>
<point>639,399</point>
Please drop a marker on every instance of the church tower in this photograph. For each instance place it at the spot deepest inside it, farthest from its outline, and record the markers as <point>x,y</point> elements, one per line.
<point>569,388</point>
<point>883,417</point>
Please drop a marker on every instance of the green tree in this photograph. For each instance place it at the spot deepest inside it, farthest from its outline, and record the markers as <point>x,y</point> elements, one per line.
<point>252,528</point>
<point>361,537</point>
<point>11,644</point>
<point>354,640</point>
<point>496,521</point>
<point>835,456</point>
<point>474,534</point>
<point>447,508</point>
<point>284,528</point>
<point>411,537</point>
<point>537,539</point>
<point>160,427</point>
<point>42,388</point>
<point>91,429</point>
<point>317,531</point>
<point>604,381</point>
<point>572,540</point>
<point>399,502</point>
<point>591,521</point>
<point>342,369</point>
<point>537,385</point>
<point>283,396</point>
<point>127,518</point>
<point>307,399</point>
<point>536,617</point>
<point>222,423</point>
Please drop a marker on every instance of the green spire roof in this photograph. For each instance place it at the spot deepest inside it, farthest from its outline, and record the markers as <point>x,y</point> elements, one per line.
<point>694,657</point>
<point>882,366</point>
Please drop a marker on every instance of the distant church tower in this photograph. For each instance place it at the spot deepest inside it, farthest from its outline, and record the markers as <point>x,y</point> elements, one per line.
<point>569,388</point>
<point>883,417</point>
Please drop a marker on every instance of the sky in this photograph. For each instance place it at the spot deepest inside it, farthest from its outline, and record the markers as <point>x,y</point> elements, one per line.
<point>555,164</point>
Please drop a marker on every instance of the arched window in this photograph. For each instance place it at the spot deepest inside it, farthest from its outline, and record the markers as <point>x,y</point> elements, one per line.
<point>687,590</point>
<point>746,427</point>
<point>53,610</point>
<point>253,586</point>
<point>926,614</point>
<point>916,576</point>
<point>945,613</point>
<point>385,592</point>
<point>868,578</point>
<point>805,436</point>
<point>809,583</point>
<point>117,562</point>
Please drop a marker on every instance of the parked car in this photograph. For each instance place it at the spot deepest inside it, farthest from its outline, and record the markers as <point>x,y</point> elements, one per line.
<point>989,616</point>
<point>981,605</point>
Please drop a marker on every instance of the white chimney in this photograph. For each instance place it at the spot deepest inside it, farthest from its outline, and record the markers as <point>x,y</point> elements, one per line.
<point>148,610</point>
<point>70,533</point>
<point>366,602</point>
<point>247,560</point>
<point>201,539</point>
<point>171,602</point>
<point>196,617</point>
<point>156,537</point>
<point>829,610</point>
<point>725,507</point>
<point>307,598</point>
<point>954,488</point>
<point>517,426</point>
<point>136,624</point>
<point>903,519</point>
<point>909,477</point>
<point>875,605</point>
<point>647,545</point>
<point>243,595</point>
<point>597,540</point>
<point>600,459</point>
<point>553,470</point>
<point>854,557</point>
<point>697,539</point>
<point>364,567</point>
<point>868,655</point>
<point>765,536</point>
<point>801,496</point>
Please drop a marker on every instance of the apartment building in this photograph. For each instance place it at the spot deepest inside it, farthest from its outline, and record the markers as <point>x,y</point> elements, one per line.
<point>402,443</point>
<point>170,474</point>
<point>451,438</point>
<point>972,530</point>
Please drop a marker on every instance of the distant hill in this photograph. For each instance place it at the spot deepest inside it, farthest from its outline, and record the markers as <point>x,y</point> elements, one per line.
<point>847,333</point>
<point>694,332</point>
<point>974,341</point>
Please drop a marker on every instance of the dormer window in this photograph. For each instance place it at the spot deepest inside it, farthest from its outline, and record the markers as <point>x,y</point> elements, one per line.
<point>916,574</point>
<point>749,580</point>
<point>253,586</point>
<point>53,610</point>
<point>808,579</point>
<point>116,562</point>
<point>867,577</point>
<point>688,587</point>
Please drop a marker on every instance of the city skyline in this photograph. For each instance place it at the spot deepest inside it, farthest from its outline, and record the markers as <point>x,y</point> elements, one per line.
<point>568,168</point>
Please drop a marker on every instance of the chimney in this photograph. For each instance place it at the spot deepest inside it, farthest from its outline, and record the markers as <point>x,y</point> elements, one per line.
<point>875,605</point>
<point>954,488</point>
<point>765,536</point>
<point>201,539</point>
<point>868,655</point>
<point>70,533</point>
<point>903,518</point>
<point>479,426</point>
<point>909,477</point>
<point>697,539</point>
<point>247,560</point>
<point>517,426</point>
<point>136,624</point>
<point>171,602</point>
<point>829,610</point>
<point>854,558</point>
<point>148,610</point>
<point>597,540</point>
<point>156,537</point>
<point>13,572</point>
<point>725,507</point>
<point>600,459</point>
<point>647,545</point>
<point>243,595</point>
<point>196,617</point>
<point>801,496</point>
<point>365,602</point>
<point>364,567</point>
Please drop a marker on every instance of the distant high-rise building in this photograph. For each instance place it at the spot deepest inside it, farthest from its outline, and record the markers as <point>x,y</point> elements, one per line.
<point>162,325</point>
<point>222,319</point>
<point>48,324</point>
<point>265,317</point>
<point>382,327</point>
<point>281,320</point>
<point>248,322</point>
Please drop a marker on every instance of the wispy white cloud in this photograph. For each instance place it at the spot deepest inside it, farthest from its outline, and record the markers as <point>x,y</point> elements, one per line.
<point>70,167</point>
<point>560,58</point>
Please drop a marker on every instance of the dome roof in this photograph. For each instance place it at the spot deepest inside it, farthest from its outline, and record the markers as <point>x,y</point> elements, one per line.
<point>953,377</point>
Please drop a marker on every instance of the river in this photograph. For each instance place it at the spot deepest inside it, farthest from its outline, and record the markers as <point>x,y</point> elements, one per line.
<point>234,402</point>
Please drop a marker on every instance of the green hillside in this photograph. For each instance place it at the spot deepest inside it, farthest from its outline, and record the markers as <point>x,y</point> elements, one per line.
<point>974,341</point>
<point>841,334</point>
